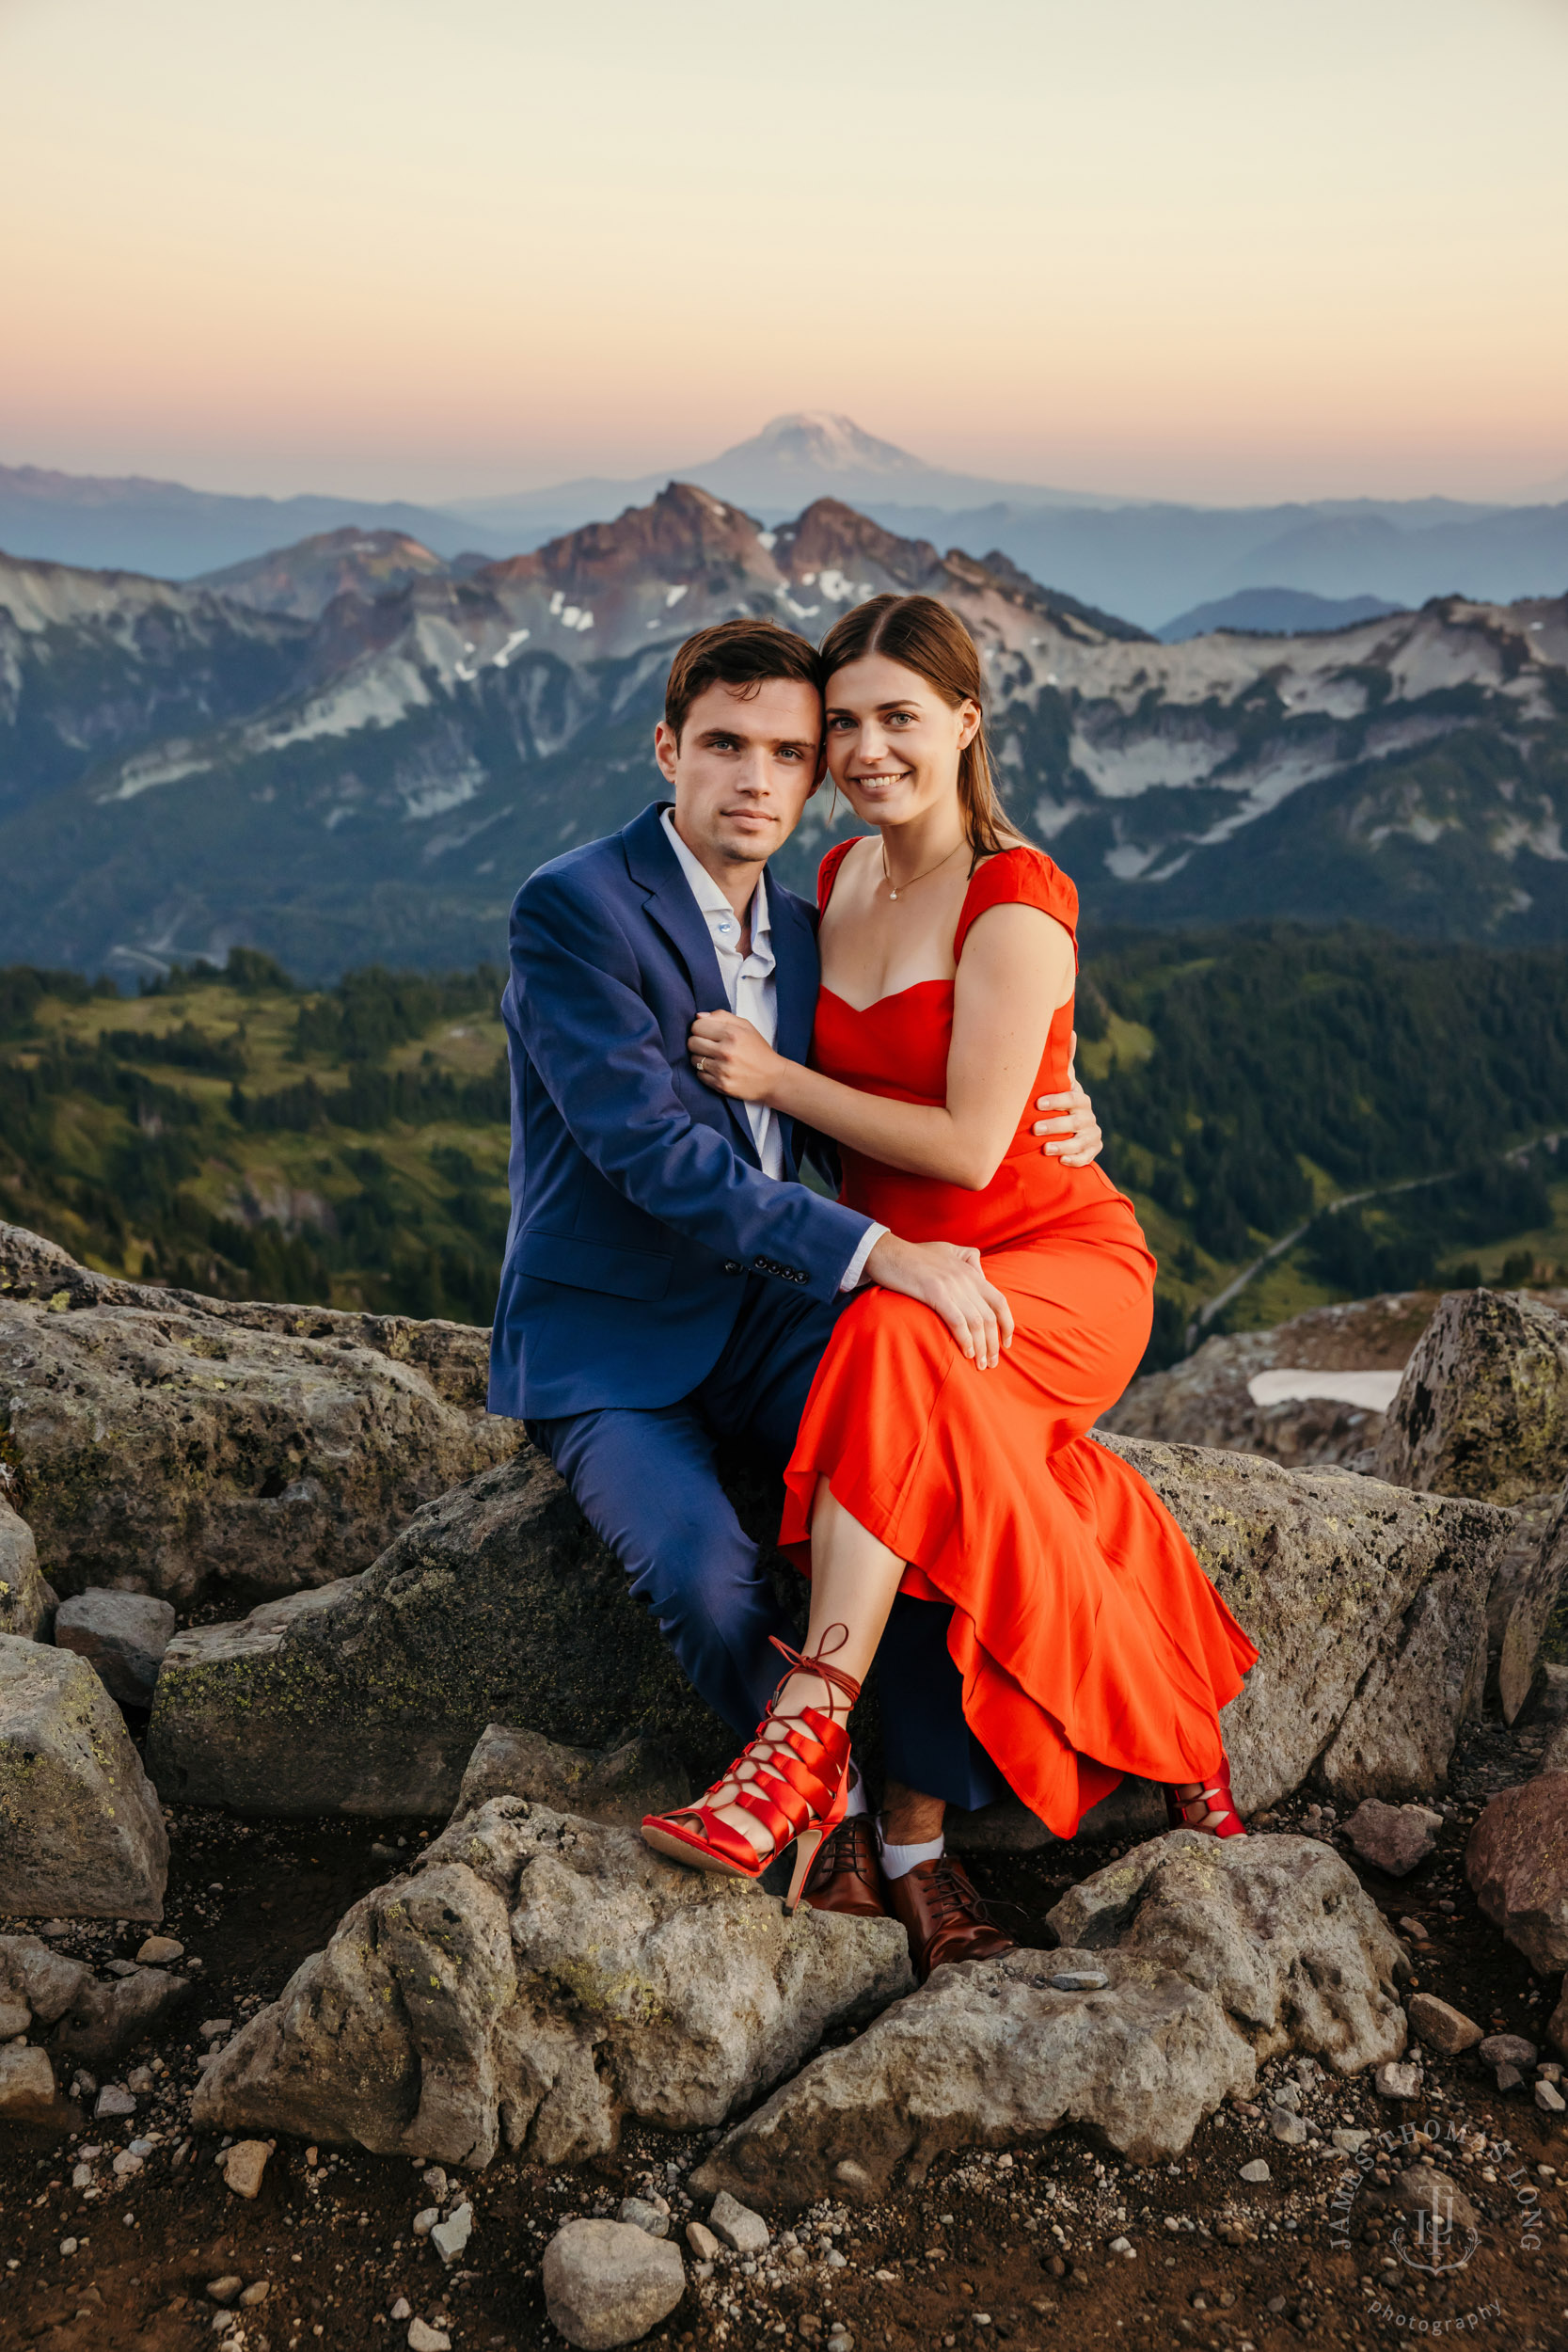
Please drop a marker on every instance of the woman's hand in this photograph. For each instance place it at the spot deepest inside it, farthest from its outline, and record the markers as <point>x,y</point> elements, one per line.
<point>1074,1125</point>
<point>952,1282</point>
<point>729,1055</point>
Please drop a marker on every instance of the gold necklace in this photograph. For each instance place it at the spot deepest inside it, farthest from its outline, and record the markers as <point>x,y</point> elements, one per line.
<point>915,878</point>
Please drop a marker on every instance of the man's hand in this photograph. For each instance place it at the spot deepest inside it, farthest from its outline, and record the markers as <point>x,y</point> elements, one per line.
<point>1075,1123</point>
<point>952,1282</point>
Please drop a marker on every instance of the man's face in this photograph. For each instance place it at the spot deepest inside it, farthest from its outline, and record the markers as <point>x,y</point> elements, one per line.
<point>744,769</point>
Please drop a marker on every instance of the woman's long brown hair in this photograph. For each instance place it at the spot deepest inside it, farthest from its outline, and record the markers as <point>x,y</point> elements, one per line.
<point>927,638</point>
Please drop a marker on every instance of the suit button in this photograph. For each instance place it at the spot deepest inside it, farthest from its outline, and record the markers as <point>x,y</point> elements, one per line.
<point>731,1265</point>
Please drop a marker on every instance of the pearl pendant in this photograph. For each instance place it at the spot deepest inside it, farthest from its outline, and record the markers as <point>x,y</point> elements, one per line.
<point>892,894</point>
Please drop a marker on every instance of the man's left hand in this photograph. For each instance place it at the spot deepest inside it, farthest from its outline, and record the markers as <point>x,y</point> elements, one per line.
<point>1072,1123</point>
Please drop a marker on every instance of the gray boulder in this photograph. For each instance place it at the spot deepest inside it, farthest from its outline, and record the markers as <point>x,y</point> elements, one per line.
<point>123,1636</point>
<point>191,1448</point>
<point>497,1605</point>
<point>1483,1410</point>
<point>1528,1587</point>
<point>80,1828</point>
<point>1229,1953</point>
<point>607,2282</point>
<point>639,1776</point>
<point>536,1978</point>
<point>1368,1604</point>
<point>1516,1861</point>
<point>25,1600</point>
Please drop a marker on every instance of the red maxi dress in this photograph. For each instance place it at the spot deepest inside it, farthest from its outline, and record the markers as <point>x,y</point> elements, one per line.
<point>1090,1642</point>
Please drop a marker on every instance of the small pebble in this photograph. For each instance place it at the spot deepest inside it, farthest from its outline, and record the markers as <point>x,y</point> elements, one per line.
<point>67,2246</point>
<point>244,2165</point>
<point>642,2216</point>
<point>705,2246</point>
<point>422,2338</point>
<point>1257,2171</point>
<point>1549,2098</point>
<point>401,2308</point>
<point>450,2236</point>
<point>113,2099</point>
<point>738,2225</point>
<point>1507,2049</point>
<point>424,2222</point>
<point>256,2293</point>
<point>224,2289</point>
<point>159,1951</point>
<point>1080,1980</point>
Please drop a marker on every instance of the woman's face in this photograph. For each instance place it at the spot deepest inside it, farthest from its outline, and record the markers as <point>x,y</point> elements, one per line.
<point>892,741</point>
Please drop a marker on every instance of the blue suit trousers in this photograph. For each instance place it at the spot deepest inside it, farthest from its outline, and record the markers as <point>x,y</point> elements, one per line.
<point>647,1482</point>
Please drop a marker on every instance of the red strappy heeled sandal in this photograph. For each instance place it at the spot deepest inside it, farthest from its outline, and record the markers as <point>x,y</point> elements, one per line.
<point>1212,1797</point>
<point>793,1777</point>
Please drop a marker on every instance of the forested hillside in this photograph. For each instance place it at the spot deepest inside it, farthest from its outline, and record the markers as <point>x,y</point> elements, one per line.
<point>231,1133</point>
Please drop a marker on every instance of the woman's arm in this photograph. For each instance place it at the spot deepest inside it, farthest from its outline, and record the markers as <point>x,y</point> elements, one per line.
<point>1017,968</point>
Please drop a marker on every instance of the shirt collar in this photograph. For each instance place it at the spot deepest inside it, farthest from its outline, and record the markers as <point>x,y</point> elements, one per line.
<point>710,897</point>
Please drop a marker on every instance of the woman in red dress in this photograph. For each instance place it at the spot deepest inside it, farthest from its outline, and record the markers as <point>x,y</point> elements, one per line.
<point>1090,1643</point>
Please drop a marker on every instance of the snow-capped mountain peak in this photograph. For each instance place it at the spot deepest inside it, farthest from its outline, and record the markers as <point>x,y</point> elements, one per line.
<point>819,442</point>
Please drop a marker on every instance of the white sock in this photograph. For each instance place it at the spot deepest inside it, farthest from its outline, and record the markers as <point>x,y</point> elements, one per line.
<point>897,1861</point>
<point>855,1802</point>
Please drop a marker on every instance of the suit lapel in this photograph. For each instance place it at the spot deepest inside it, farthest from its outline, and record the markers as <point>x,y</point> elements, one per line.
<point>654,867</point>
<point>795,973</point>
<point>797,976</point>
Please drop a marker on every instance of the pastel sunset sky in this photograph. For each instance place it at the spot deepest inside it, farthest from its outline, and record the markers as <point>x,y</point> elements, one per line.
<point>1226,250</point>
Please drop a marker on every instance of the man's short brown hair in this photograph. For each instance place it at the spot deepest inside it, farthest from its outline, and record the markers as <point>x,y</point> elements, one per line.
<point>741,655</point>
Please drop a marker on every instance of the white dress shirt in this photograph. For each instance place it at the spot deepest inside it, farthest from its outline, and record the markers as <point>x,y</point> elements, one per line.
<point>752,988</point>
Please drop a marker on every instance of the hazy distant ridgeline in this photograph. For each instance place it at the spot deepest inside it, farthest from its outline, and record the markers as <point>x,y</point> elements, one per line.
<point>1149,559</point>
<point>354,750</point>
<point>229,1133</point>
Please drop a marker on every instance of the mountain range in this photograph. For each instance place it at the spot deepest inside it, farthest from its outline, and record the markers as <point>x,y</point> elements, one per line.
<point>1148,559</point>
<point>353,750</point>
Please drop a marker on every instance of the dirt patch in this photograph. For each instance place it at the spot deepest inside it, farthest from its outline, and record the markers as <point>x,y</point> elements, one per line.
<point>1020,2245</point>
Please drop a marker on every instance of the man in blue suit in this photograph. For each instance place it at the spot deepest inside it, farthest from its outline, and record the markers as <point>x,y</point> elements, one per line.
<point>668,1282</point>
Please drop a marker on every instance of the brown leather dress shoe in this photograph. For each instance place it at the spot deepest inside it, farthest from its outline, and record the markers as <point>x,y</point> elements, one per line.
<point>846,1876</point>
<point>944,1917</point>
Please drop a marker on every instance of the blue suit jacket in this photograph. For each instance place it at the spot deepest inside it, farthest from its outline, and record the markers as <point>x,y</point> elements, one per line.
<point>638,1201</point>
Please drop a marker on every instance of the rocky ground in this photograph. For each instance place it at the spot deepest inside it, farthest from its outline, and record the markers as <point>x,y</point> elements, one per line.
<point>118,2233</point>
